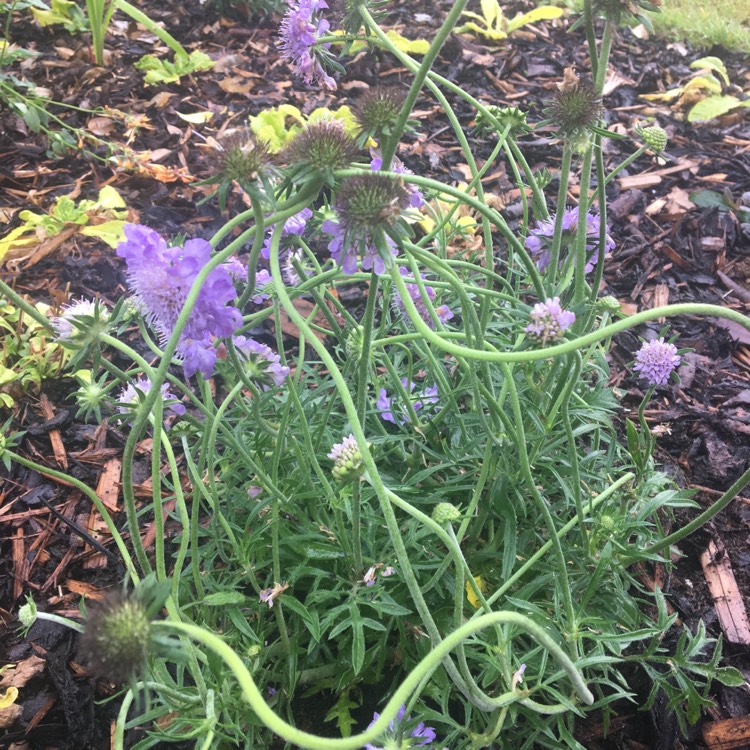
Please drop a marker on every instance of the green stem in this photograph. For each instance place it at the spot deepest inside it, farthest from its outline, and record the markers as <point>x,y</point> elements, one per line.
<point>424,668</point>
<point>140,17</point>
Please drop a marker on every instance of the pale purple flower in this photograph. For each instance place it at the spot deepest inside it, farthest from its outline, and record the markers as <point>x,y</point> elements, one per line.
<point>444,313</point>
<point>423,733</point>
<point>69,321</point>
<point>161,276</point>
<point>129,397</point>
<point>416,199</point>
<point>346,252</point>
<point>294,226</point>
<point>396,414</point>
<point>262,363</point>
<point>656,360</point>
<point>263,287</point>
<point>268,596</point>
<point>299,32</point>
<point>345,449</point>
<point>539,240</point>
<point>549,321</point>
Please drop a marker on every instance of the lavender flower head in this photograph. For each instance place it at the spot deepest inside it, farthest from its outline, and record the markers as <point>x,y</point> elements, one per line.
<point>424,734</point>
<point>263,287</point>
<point>368,207</point>
<point>161,277</point>
<point>444,313</point>
<point>549,321</point>
<point>263,364</point>
<point>129,397</point>
<point>416,199</point>
<point>70,322</point>
<point>293,227</point>
<point>539,241</point>
<point>299,33</point>
<point>346,253</point>
<point>656,360</point>
<point>399,415</point>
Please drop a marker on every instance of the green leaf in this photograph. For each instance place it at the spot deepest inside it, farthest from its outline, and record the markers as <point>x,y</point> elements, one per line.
<point>712,107</point>
<point>709,199</point>
<point>542,13</point>
<point>341,713</point>
<point>729,676</point>
<point>713,64</point>
<point>358,642</point>
<point>222,598</point>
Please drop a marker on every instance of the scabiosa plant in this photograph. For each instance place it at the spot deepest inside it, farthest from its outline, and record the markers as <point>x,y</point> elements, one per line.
<point>130,396</point>
<point>161,277</point>
<point>315,152</point>
<point>397,414</point>
<point>293,228</point>
<point>116,642</point>
<point>81,321</point>
<point>549,321</point>
<point>443,312</point>
<point>575,109</point>
<point>622,12</point>
<point>299,33</point>
<point>261,363</point>
<point>366,206</point>
<point>539,240</point>
<point>656,360</point>
<point>419,736</point>
<point>377,111</point>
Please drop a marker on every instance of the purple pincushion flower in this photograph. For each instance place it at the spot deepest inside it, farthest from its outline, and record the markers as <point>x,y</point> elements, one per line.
<point>129,397</point>
<point>656,360</point>
<point>346,253</point>
<point>263,287</point>
<point>423,733</point>
<point>299,32</point>
<point>539,240</point>
<point>161,276</point>
<point>549,321</point>
<point>263,364</point>
<point>444,313</point>
<point>294,226</point>
<point>416,199</point>
<point>398,415</point>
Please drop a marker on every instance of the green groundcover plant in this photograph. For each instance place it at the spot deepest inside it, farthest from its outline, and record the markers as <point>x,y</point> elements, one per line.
<point>422,513</point>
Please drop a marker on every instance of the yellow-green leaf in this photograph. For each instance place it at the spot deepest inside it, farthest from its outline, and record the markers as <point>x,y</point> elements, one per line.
<point>111,232</point>
<point>410,46</point>
<point>470,595</point>
<point>492,13</point>
<point>195,118</point>
<point>20,237</point>
<point>108,199</point>
<point>712,107</point>
<point>9,697</point>
<point>542,13</point>
<point>712,63</point>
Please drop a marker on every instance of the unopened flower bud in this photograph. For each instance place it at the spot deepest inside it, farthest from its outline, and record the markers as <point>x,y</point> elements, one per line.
<point>446,513</point>
<point>654,137</point>
<point>347,460</point>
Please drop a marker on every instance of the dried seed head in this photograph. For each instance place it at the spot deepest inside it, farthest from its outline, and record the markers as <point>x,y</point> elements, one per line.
<point>511,117</point>
<point>621,11</point>
<point>576,106</point>
<point>323,145</point>
<point>117,640</point>
<point>244,157</point>
<point>377,109</point>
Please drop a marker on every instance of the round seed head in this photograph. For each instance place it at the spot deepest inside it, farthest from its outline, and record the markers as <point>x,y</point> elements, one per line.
<point>323,145</point>
<point>117,639</point>
<point>576,106</point>
<point>378,109</point>
<point>446,513</point>
<point>244,157</point>
<point>369,201</point>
